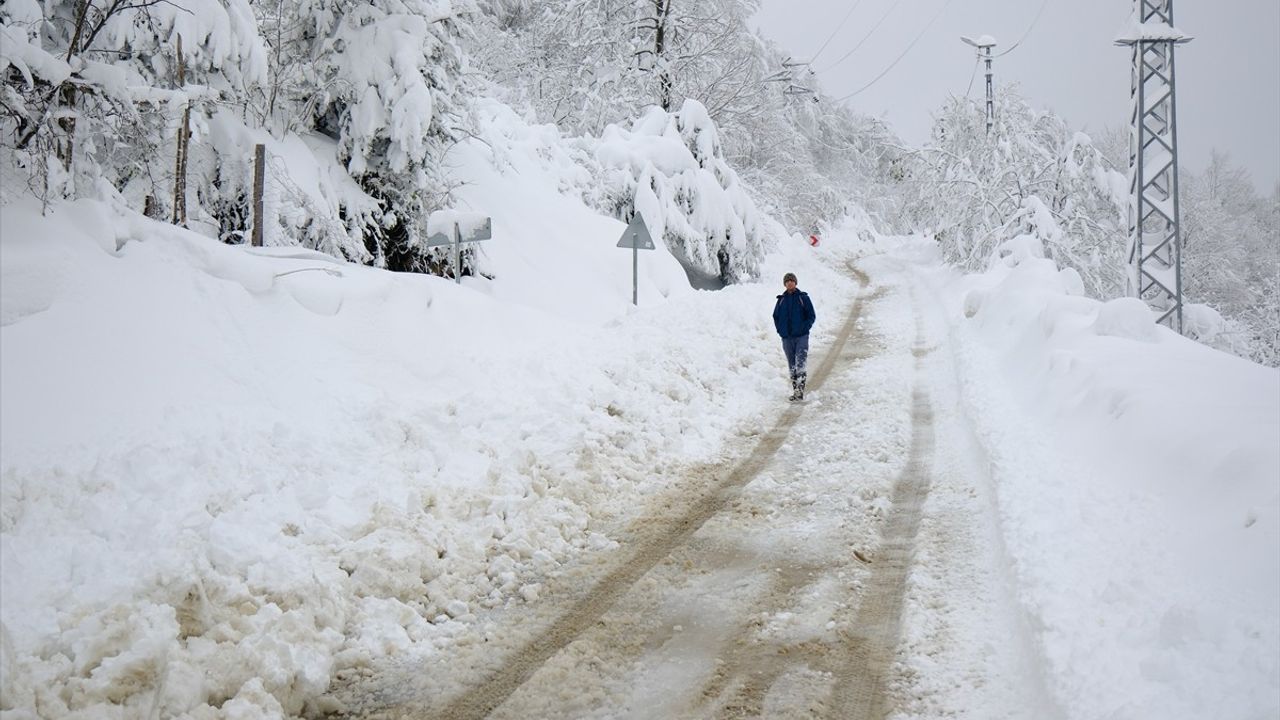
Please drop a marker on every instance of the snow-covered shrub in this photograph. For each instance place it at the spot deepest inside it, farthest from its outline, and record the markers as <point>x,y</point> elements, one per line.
<point>670,168</point>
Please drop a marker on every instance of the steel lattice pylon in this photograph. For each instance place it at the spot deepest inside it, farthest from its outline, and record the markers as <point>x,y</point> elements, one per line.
<point>1155,233</point>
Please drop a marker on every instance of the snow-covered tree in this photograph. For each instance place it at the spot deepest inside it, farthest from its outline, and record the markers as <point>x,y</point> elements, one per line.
<point>670,168</point>
<point>801,161</point>
<point>1231,256</point>
<point>164,101</point>
<point>584,64</point>
<point>384,80</point>
<point>1031,175</point>
<point>94,83</point>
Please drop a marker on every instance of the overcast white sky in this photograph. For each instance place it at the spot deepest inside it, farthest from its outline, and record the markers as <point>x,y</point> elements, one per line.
<point>1228,76</point>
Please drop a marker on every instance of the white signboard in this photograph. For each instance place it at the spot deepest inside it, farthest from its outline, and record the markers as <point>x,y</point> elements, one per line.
<point>454,227</point>
<point>471,227</point>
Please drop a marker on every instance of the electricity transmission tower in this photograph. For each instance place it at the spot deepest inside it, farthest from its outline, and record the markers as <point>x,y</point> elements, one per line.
<point>788,74</point>
<point>984,45</point>
<point>1155,232</point>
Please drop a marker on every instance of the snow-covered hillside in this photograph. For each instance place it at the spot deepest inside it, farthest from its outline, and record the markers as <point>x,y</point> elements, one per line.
<point>231,472</point>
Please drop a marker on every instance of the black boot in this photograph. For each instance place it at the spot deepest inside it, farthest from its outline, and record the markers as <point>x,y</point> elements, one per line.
<point>796,390</point>
<point>799,394</point>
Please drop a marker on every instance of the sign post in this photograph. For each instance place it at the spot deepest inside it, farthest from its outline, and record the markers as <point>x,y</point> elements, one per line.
<point>636,237</point>
<point>453,227</point>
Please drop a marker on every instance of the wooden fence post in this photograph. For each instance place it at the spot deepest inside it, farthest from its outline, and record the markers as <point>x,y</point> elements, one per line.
<point>259,180</point>
<point>180,164</point>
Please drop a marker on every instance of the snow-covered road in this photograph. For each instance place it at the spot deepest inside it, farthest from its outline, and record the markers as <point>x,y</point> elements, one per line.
<point>845,563</point>
<point>989,507</point>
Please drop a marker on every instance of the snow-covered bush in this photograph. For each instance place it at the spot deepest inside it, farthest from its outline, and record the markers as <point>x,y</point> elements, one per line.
<point>670,168</point>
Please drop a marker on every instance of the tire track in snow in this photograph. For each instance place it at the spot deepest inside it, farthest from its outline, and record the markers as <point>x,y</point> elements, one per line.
<point>755,668</point>
<point>859,692</point>
<point>657,538</point>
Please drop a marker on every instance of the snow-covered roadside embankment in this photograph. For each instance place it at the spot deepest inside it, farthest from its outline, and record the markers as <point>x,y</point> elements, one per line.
<point>1138,481</point>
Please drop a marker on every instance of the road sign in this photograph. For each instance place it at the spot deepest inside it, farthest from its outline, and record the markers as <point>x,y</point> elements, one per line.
<point>636,237</point>
<point>454,227</point>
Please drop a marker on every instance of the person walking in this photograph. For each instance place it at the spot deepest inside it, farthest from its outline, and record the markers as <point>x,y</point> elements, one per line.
<point>793,316</point>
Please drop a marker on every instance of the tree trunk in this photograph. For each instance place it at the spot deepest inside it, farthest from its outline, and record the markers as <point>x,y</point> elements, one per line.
<point>180,163</point>
<point>66,149</point>
<point>662,10</point>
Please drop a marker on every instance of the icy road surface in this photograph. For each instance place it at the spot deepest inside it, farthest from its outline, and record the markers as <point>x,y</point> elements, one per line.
<point>844,563</point>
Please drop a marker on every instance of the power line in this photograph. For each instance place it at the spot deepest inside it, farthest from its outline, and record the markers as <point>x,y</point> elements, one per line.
<point>898,59</point>
<point>833,32</point>
<point>1034,20</point>
<point>972,75</point>
<point>864,37</point>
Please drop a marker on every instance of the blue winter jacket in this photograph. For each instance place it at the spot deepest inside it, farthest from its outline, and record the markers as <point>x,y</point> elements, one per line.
<point>793,315</point>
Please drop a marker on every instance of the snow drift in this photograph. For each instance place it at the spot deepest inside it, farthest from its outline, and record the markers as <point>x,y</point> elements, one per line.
<point>1138,480</point>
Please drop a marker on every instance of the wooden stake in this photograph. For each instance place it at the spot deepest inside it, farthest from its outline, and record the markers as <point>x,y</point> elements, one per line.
<point>259,180</point>
<point>180,164</point>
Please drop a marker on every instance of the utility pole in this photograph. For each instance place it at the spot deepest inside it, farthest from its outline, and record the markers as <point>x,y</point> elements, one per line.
<point>787,74</point>
<point>984,45</point>
<point>1155,232</point>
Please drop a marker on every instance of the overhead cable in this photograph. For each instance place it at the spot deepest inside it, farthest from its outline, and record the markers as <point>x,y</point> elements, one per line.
<point>833,32</point>
<point>864,37</point>
<point>1028,32</point>
<point>973,75</point>
<point>898,59</point>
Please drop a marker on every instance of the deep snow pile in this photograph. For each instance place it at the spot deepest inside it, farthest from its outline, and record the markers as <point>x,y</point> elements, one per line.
<point>229,473</point>
<point>1138,482</point>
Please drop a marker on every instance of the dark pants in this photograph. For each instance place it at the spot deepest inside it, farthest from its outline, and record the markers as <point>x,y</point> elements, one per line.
<point>797,350</point>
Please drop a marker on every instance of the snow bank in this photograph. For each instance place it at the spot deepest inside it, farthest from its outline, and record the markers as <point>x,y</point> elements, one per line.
<point>1138,477</point>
